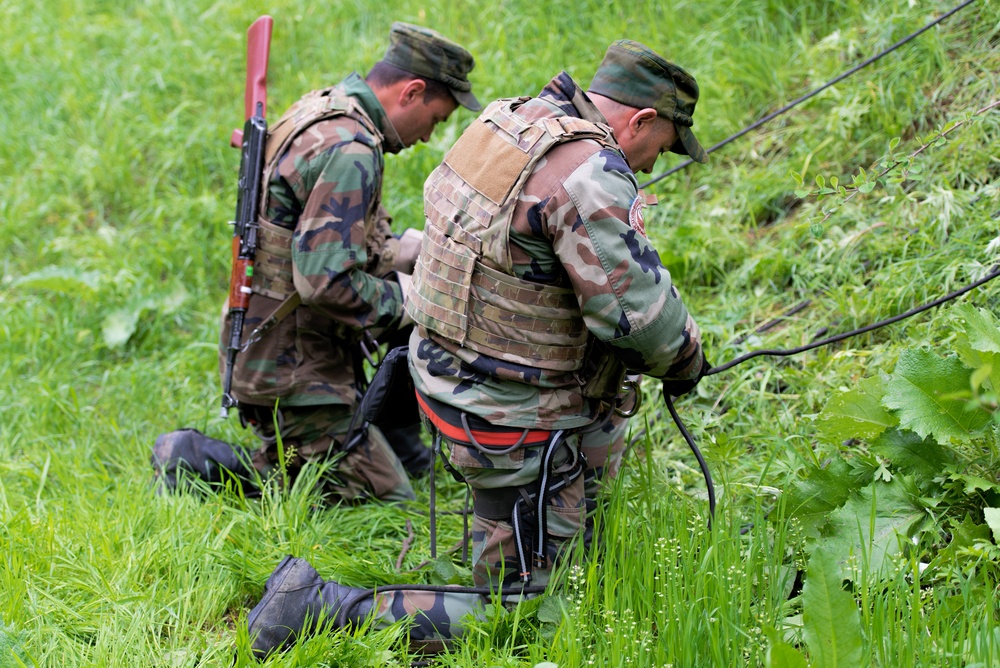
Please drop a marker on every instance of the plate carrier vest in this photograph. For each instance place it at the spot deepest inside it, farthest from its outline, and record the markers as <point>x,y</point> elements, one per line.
<point>464,289</point>
<point>273,271</point>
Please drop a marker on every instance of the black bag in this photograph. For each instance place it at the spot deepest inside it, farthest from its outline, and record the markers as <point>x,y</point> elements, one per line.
<point>390,400</point>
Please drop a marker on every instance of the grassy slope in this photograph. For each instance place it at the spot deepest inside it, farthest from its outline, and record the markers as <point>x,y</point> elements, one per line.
<point>116,183</point>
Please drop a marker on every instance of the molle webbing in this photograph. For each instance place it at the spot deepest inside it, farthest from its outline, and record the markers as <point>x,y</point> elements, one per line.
<point>516,319</point>
<point>273,268</point>
<point>463,285</point>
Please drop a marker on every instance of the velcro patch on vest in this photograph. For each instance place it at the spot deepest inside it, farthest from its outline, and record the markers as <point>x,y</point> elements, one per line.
<point>487,162</point>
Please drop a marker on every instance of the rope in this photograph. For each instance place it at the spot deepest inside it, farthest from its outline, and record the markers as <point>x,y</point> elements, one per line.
<point>697,453</point>
<point>797,102</point>
<point>994,272</point>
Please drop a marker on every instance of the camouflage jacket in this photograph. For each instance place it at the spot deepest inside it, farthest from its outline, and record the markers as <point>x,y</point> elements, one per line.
<point>327,189</point>
<point>577,223</point>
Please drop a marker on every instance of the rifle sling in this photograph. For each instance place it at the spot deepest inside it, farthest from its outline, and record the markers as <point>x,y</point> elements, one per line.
<point>277,315</point>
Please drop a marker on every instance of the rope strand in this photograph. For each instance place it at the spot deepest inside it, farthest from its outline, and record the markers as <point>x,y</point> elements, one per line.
<point>800,100</point>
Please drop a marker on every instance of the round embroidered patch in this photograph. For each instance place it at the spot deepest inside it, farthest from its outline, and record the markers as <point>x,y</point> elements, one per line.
<point>635,215</point>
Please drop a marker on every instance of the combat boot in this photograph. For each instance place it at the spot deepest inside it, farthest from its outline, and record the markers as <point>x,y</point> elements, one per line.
<point>190,451</point>
<point>413,454</point>
<point>296,599</point>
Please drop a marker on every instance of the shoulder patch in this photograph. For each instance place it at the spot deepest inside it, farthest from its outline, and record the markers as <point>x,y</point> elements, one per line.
<point>635,214</point>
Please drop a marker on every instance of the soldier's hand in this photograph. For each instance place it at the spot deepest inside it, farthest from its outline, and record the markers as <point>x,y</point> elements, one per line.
<point>677,388</point>
<point>405,282</point>
<point>409,248</point>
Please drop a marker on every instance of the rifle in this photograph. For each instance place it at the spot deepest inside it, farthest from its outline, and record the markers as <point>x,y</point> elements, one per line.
<point>252,141</point>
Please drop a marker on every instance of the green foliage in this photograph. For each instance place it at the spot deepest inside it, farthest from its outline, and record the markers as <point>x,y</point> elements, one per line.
<point>117,181</point>
<point>832,626</point>
<point>857,413</point>
<point>782,655</point>
<point>930,393</point>
<point>871,525</point>
<point>924,426</point>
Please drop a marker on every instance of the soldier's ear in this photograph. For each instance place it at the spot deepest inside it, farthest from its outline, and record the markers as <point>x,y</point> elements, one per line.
<point>642,120</point>
<point>412,92</point>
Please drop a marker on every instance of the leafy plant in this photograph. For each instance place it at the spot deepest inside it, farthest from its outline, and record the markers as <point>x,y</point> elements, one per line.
<point>921,441</point>
<point>831,623</point>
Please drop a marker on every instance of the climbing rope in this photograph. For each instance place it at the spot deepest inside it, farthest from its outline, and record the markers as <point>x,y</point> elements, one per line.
<point>791,105</point>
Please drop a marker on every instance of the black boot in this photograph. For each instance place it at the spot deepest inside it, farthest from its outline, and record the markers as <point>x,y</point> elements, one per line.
<point>207,458</point>
<point>295,597</point>
<point>405,441</point>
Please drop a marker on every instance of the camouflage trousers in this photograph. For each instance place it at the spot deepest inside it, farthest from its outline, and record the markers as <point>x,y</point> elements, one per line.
<point>368,470</point>
<point>436,617</point>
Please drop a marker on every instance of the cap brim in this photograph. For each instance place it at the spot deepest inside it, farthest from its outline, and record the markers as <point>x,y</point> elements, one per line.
<point>687,144</point>
<point>466,99</point>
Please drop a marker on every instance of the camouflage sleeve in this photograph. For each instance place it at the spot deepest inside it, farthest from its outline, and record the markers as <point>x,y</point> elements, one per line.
<point>625,292</point>
<point>383,247</point>
<point>335,180</point>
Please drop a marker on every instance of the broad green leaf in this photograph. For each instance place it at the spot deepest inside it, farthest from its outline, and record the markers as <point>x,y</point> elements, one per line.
<point>869,523</point>
<point>980,376</point>
<point>551,609</point>
<point>812,498</point>
<point>967,532</point>
<point>978,342</point>
<point>443,571</point>
<point>927,390</point>
<point>119,326</point>
<point>963,535</point>
<point>780,654</point>
<point>923,457</point>
<point>977,360</point>
<point>832,623</point>
<point>981,328</point>
<point>857,413</point>
<point>975,483</point>
<point>993,520</point>
<point>68,280</point>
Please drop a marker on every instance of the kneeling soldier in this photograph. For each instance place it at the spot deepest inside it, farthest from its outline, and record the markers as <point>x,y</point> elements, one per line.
<point>327,251</point>
<point>535,291</point>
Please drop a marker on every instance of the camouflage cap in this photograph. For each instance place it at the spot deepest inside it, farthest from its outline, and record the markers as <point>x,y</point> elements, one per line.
<point>427,53</point>
<point>635,75</point>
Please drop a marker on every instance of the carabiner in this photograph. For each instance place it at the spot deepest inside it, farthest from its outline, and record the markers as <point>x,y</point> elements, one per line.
<point>630,386</point>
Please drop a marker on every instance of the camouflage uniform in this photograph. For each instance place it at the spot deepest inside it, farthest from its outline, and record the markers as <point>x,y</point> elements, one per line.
<point>325,238</point>
<point>574,228</point>
<point>535,291</point>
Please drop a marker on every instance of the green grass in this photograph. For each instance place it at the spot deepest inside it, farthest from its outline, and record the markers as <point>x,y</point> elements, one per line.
<point>117,180</point>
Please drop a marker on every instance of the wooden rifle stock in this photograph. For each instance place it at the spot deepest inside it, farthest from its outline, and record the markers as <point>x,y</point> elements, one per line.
<point>252,141</point>
<point>258,52</point>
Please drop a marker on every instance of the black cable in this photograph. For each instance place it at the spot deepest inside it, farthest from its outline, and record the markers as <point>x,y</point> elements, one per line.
<point>994,272</point>
<point>795,103</point>
<point>697,453</point>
